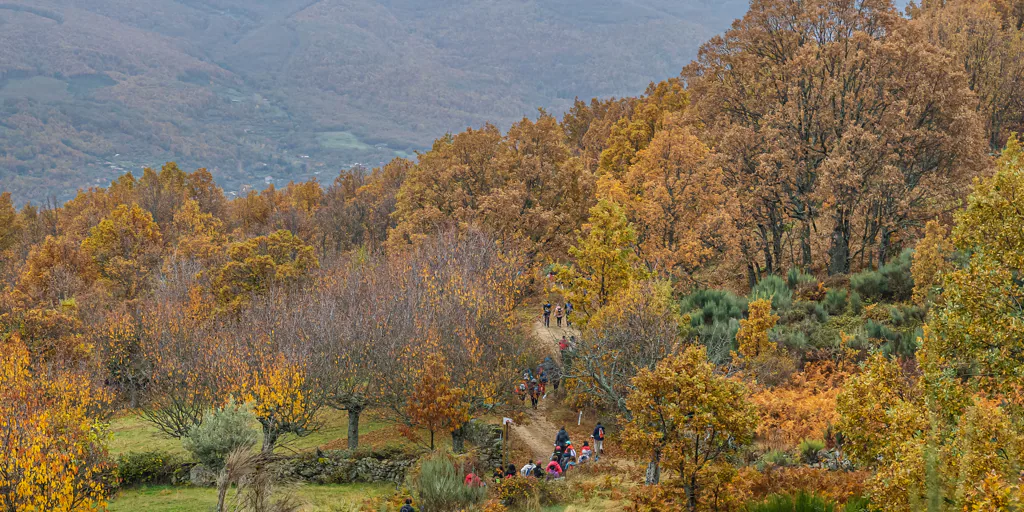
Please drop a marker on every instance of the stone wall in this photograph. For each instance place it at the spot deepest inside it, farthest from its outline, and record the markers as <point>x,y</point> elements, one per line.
<point>339,467</point>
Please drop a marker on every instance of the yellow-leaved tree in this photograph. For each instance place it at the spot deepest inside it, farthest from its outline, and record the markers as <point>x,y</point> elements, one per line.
<point>52,453</point>
<point>688,417</point>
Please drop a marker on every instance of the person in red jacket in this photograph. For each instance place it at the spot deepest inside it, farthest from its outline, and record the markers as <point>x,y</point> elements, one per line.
<point>554,469</point>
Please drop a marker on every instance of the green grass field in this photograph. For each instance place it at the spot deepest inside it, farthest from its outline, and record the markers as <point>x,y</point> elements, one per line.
<point>316,498</point>
<point>131,433</point>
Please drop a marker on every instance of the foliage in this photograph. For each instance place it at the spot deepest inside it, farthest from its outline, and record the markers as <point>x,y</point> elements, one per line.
<point>605,262</point>
<point>52,454</point>
<point>836,301</point>
<point>804,407</point>
<point>146,468</point>
<point>892,282</point>
<point>801,502</point>
<point>931,260</point>
<point>687,417</point>
<point>809,449</point>
<point>775,289</point>
<point>635,331</point>
<point>435,404</point>
<point>222,431</point>
<point>255,265</point>
<point>440,486</point>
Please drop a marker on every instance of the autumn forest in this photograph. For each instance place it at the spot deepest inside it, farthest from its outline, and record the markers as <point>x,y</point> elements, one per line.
<point>791,279</point>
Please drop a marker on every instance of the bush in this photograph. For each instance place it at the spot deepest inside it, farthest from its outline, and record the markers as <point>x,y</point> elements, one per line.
<point>221,432</point>
<point>802,502</point>
<point>835,301</point>
<point>146,468</point>
<point>440,485</point>
<point>796,277</point>
<point>809,449</point>
<point>777,458</point>
<point>519,493</point>
<point>893,282</point>
<point>708,307</point>
<point>774,288</point>
<point>856,303</point>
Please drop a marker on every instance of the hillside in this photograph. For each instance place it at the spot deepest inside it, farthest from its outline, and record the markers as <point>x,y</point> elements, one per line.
<point>250,89</point>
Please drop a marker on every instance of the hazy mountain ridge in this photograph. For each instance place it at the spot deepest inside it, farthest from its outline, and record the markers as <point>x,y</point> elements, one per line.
<point>250,88</point>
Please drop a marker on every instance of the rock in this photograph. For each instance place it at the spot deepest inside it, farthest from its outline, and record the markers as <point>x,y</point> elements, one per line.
<point>201,476</point>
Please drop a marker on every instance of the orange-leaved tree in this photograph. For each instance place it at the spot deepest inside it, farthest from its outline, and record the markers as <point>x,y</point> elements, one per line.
<point>435,403</point>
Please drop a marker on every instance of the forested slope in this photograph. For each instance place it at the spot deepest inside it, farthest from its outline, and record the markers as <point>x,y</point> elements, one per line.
<point>251,88</point>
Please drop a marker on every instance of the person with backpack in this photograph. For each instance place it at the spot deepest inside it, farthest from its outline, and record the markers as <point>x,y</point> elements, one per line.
<point>543,383</point>
<point>598,437</point>
<point>554,469</point>
<point>563,345</point>
<point>534,394</point>
<point>568,311</point>
<point>585,452</point>
<point>408,506</point>
<point>528,468</point>
<point>562,438</point>
<point>547,314</point>
<point>558,316</point>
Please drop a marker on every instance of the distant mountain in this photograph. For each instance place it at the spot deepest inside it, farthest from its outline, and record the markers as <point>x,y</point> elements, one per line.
<point>271,90</point>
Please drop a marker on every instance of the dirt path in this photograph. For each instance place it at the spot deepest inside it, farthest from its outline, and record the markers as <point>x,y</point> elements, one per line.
<point>539,434</point>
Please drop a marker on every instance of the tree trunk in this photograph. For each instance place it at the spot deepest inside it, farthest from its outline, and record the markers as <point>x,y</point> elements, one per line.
<point>353,427</point>
<point>653,476</point>
<point>269,439</point>
<point>459,440</point>
<point>883,248</point>
<point>839,252</point>
<point>805,246</point>
<point>691,493</point>
<point>431,440</point>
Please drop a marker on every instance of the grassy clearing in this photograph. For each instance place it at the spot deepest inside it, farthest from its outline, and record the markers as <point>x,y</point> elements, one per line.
<point>133,434</point>
<point>341,141</point>
<point>317,498</point>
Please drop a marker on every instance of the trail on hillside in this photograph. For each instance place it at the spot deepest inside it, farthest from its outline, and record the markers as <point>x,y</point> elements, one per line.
<point>539,434</point>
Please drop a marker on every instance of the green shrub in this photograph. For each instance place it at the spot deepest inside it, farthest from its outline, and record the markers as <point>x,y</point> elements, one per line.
<point>780,458</point>
<point>221,432</point>
<point>857,504</point>
<point>440,485</point>
<point>893,282</point>
<point>796,277</point>
<point>907,315</point>
<point>809,449</point>
<point>835,301</point>
<point>712,306</point>
<point>802,502</point>
<point>135,468</point>
<point>856,304</point>
<point>774,288</point>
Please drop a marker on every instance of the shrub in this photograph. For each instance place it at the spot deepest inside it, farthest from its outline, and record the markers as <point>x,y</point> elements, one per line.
<point>777,458</point>
<point>802,502</point>
<point>774,288</point>
<point>809,449</point>
<point>221,432</point>
<point>712,306</point>
<point>856,303</point>
<point>136,468</point>
<point>892,282</point>
<point>835,301</point>
<point>796,277</point>
<point>440,485</point>
<point>519,493</point>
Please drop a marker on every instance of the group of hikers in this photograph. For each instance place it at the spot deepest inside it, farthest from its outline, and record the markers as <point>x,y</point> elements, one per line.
<point>535,382</point>
<point>560,312</point>
<point>563,459</point>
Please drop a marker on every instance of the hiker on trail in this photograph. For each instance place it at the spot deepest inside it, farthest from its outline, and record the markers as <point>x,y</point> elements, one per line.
<point>547,314</point>
<point>554,469</point>
<point>569,464</point>
<point>563,344</point>
<point>473,481</point>
<point>538,472</point>
<point>543,383</point>
<point>498,474</point>
<point>598,437</point>
<point>562,438</point>
<point>558,315</point>
<point>568,311</point>
<point>408,506</point>
<point>510,471</point>
<point>528,468</point>
<point>534,393</point>
<point>585,452</point>
<point>521,391</point>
